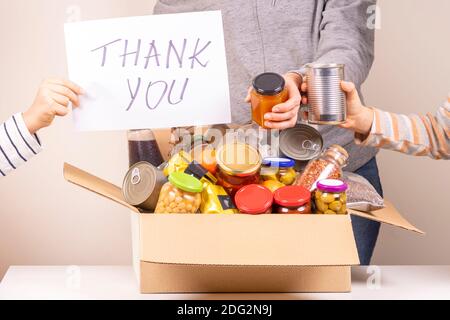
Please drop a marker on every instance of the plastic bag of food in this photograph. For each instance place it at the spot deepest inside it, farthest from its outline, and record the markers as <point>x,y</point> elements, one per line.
<point>361,195</point>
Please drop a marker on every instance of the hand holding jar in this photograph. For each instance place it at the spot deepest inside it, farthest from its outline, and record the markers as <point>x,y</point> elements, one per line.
<point>275,100</point>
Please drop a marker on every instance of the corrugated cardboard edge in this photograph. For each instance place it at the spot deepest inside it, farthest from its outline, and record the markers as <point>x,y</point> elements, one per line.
<point>173,278</point>
<point>92,183</point>
<point>388,215</point>
<point>275,240</point>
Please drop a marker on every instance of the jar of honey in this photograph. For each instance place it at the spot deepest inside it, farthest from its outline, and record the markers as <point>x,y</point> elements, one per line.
<point>238,165</point>
<point>268,91</point>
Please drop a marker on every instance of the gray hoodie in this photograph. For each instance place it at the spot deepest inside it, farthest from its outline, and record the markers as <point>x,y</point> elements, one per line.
<point>284,35</point>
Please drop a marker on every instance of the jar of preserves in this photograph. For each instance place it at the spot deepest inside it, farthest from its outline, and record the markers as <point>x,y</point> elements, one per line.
<point>292,200</point>
<point>254,199</point>
<point>142,146</point>
<point>238,165</point>
<point>330,197</point>
<point>328,165</point>
<point>268,91</point>
<point>182,194</point>
<point>279,169</point>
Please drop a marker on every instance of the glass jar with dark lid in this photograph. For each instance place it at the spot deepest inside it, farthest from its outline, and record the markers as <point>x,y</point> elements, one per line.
<point>268,91</point>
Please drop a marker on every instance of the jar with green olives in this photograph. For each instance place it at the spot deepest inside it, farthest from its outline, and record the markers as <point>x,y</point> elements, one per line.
<point>279,169</point>
<point>330,197</point>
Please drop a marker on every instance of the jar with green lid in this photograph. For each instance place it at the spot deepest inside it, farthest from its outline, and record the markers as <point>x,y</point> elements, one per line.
<point>182,194</point>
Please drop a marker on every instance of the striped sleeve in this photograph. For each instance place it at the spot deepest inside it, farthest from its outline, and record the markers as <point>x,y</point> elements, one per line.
<point>17,145</point>
<point>416,135</point>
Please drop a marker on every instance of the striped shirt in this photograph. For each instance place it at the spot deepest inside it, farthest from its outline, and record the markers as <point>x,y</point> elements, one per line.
<point>416,135</point>
<point>17,145</point>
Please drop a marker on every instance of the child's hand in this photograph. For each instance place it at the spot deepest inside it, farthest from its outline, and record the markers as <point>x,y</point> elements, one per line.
<point>359,117</point>
<point>284,115</point>
<point>52,100</point>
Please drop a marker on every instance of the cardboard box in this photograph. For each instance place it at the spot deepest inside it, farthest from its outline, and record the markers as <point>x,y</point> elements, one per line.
<point>240,253</point>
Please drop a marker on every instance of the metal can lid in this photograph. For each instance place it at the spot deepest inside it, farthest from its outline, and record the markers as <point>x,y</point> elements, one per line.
<point>254,199</point>
<point>301,143</point>
<point>324,65</point>
<point>238,158</point>
<point>139,183</point>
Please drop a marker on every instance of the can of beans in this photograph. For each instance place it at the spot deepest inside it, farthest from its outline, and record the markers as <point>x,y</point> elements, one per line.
<point>301,143</point>
<point>142,185</point>
<point>326,99</point>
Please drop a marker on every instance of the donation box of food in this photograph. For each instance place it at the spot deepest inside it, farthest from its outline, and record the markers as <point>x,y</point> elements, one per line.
<point>252,250</point>
<point>195,253</point>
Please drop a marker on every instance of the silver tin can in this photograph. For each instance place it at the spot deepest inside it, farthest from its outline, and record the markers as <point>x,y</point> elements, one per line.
<point>301,143</point>
<point>142,185</point>
<point>326,99</point>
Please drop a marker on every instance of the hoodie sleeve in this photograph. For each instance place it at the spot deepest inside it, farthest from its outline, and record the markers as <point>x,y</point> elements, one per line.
<point>416,135</point>
<point>346,37</point>
<point>17,144</point>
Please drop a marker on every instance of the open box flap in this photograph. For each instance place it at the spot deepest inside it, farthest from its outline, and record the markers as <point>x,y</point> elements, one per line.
<point>388,215</point>
<point>95,184</point>
<point>264,240</point>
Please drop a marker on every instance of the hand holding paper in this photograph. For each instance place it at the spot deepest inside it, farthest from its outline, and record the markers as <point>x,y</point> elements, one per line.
<point>150,72</point>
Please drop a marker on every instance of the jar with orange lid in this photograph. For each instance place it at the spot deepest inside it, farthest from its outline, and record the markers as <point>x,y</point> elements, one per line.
<point>268,91</point>
<point>238,165</point>
<point>328,165</point>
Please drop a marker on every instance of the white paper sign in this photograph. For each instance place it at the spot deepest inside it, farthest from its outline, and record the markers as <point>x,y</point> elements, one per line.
<point>156,71</point>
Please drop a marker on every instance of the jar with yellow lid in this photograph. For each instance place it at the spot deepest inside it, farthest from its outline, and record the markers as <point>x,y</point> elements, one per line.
<point>238,165</point>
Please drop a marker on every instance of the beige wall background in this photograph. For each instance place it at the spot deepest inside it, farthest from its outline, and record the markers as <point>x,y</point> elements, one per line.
<point>45,221</point>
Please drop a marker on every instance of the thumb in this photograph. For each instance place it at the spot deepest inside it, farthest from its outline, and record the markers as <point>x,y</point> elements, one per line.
<point>350,90</point>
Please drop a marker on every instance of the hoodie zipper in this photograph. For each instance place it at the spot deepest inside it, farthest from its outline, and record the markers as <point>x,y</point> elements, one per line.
<point>274,3</point>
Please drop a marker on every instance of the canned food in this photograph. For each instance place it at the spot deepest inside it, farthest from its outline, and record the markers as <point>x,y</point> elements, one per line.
<point>142,185</point>
<point>301,143</point>
<point>326,99</point>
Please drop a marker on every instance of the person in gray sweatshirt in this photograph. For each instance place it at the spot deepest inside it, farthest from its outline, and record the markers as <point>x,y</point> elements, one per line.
<point>283,36</point>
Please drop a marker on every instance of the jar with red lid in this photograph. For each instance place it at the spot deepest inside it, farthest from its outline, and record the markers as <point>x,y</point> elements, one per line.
<point>292,200</point>
<point>254,199</point>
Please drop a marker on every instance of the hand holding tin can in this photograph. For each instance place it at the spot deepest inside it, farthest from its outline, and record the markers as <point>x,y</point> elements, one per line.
<point>326,99</point>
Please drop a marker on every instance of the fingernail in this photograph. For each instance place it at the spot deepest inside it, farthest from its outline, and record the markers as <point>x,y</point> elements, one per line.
<point>267,117</point>
<point>275,109</point>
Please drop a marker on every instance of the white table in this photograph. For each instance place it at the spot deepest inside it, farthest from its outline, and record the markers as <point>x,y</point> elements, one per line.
<point>116,282</point>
